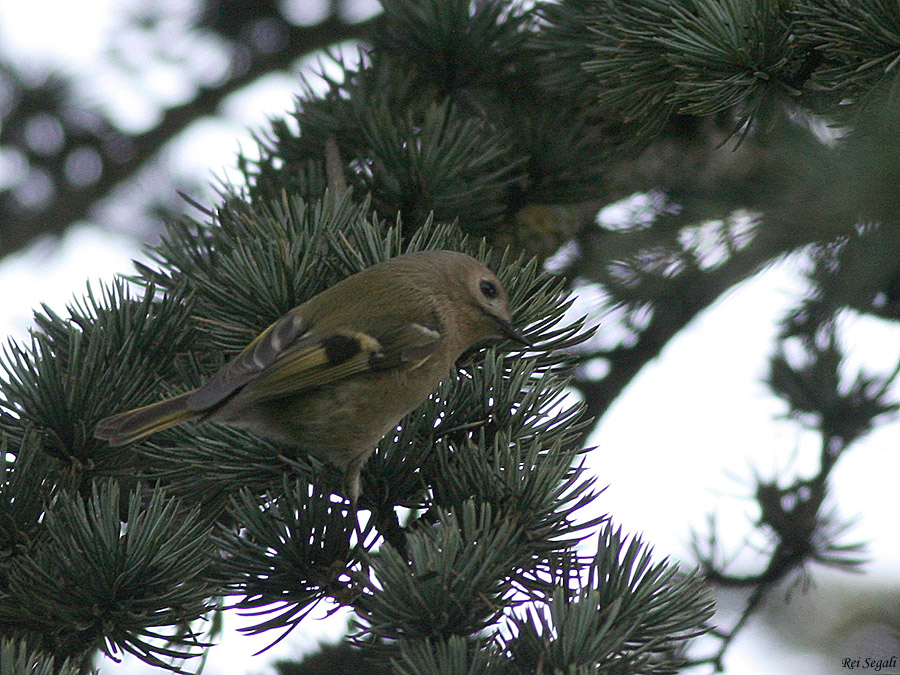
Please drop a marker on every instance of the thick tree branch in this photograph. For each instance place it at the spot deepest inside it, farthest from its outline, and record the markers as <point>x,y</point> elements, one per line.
<point>73,203</point>
<point>688,295</point>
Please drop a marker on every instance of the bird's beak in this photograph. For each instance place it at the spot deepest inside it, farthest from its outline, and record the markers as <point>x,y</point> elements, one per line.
<point>510,331</point>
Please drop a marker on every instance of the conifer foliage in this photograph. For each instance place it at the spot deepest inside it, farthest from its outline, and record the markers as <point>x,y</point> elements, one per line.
<point>496,128</point>
<point>115,549</point>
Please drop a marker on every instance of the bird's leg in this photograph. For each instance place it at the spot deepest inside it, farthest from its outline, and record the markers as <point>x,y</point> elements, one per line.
<point>353,488</point>
<point>354,514</point>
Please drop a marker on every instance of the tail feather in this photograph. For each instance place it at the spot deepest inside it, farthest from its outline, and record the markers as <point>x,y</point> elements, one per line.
<point>133,425</point>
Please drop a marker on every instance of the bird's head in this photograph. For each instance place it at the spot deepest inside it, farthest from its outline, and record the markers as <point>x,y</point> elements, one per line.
<point>489,299</point>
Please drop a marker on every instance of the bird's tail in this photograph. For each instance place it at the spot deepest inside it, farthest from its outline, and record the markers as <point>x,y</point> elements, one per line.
<point>133,425</point>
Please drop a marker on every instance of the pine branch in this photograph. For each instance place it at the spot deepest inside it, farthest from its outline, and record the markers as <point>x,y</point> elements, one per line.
<point>858,44</point>
<point>17,659</point>
<point>684,297</point>
<point>85,585</point>
<point>628,616</point>
<point>799,526</point>
<point>485,568</point>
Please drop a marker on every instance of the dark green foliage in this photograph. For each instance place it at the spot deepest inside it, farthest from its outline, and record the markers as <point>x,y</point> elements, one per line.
<point>412,160</point>
<point>17,659</point>
<point>697,57</point>
<point>448,113</point>
<point>293,549</point>
<point>566,29</point>
<point>454,581</point>
<point>748,59</point>
<point>91,585</point>
<point>227,461</point>
<point>731,55</point>
<point>817,395</point>
<point>590,625</point>
<point>588,628</point>
<point>458,118</point>
<point>453,656</point>
<point>59,384</point>
<point>626,51</point>
<point>22,497</point>
<point>250,266</point>
<point>488,461</point>
<point>453,46</point>
<point>859,44</point>
<point>443,163</point>
<point>335,659</point>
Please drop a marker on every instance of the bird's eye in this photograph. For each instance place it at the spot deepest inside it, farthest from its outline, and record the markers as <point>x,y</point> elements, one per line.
<point>488,289</point>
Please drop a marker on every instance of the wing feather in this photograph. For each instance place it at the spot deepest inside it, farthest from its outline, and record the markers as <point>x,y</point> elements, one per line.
<point>290,331</point>
<point>342,355</point>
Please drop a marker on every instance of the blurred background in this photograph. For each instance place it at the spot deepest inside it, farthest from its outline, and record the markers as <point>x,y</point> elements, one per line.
<point>110,110</point>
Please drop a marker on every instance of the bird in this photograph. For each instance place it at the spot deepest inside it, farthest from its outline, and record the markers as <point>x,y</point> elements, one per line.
<point>335,374</point>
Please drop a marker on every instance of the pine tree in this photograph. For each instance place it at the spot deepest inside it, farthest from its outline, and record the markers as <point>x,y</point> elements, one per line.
<point>496,129</point>
<point>111,549</point>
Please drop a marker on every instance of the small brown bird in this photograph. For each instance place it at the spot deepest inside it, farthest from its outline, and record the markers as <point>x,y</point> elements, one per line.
<point>338,372</point>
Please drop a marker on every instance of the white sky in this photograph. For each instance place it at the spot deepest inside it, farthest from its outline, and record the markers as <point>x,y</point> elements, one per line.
<point>695,416</point>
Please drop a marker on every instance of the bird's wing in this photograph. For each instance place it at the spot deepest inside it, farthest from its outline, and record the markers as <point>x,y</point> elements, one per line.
<point>288,332</point>
<point>317,360</point>
<point>406,346</point>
